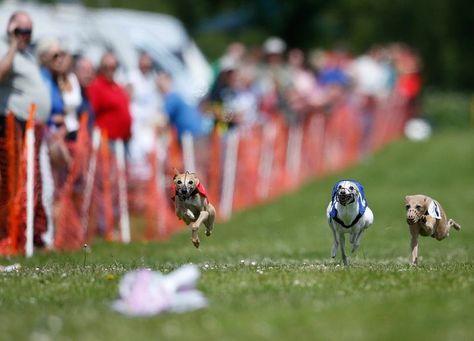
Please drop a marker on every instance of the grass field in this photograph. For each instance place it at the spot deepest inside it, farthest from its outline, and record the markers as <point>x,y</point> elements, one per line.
<point>287,287</point>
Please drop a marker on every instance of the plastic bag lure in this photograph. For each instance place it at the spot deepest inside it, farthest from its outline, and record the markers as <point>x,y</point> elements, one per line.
<point>145,292</point>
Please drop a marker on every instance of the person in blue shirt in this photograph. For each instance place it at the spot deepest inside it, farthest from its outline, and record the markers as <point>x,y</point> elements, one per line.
<point>182,115</point>
<point>51,56</point>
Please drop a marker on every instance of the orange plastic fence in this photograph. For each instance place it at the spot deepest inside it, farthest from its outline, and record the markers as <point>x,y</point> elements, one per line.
<point>70,234</point>
<point>271,159</point>
<point>9,151</point>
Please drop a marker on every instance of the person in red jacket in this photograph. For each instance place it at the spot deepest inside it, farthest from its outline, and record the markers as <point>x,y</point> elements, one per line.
<point>110,101</point>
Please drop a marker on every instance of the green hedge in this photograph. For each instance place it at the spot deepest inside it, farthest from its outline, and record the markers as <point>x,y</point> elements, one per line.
<point>448,110</point>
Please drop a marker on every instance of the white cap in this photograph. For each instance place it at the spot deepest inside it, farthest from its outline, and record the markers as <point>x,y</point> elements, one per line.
<point>274,45</point>
<point>228,63</point>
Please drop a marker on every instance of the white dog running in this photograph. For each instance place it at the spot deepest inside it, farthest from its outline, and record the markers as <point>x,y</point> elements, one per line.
<point>348,212</point>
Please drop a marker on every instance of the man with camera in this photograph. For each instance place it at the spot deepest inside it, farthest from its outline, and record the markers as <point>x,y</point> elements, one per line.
<point>21,85</point>
<point>20,79</point>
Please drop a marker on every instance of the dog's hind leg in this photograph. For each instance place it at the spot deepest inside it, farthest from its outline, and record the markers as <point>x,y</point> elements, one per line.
<point>452,223</point>
<point>209,222</point>
<point>342,243</point>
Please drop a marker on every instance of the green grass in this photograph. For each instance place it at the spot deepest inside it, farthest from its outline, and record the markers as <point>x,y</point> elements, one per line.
<point>286,287</point>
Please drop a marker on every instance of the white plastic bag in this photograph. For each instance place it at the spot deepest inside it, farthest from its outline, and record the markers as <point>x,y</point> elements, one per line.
<point>144,292</point>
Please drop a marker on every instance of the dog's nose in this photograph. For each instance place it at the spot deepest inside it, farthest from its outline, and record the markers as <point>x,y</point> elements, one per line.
<point>411,219</point>
<point>183,190</point>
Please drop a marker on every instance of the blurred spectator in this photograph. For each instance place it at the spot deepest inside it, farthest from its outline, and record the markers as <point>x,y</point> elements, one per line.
<point>20,86</point>
<point>110,101</point>
<point>245,104</point>
<point>51,56</point>
<point>408,66</point>
<point>304,96</point>
<point>85,73</point>
<point>332,69</point>
<point>72,98</point>
<point>21,83</point>
<point>370,80</point>
<point>146,108</point>
<point>223,93</point>
<point>235,51</point>
<point>370,77</point>
<point>274,79</point>
<point>183,116</point>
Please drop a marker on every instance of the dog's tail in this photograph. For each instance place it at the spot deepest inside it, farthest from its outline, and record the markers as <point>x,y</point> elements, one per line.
<point>452,223</point>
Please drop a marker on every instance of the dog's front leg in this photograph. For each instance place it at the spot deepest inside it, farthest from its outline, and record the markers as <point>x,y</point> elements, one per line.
<point>195,226</point>
<point>414,231</point>
<point>428,222</point>
<point>357,239</point>
<point>335,244</point>
<point>342,242</point>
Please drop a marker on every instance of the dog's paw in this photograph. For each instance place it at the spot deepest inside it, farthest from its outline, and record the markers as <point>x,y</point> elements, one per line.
<point>345,261</point>
<point>196,242</point>
<point>208,232</point>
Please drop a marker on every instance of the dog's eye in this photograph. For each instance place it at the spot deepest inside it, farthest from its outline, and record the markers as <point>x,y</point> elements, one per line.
<point>339,187</point>
<point>407,206</point>
<point>190,182</point>
<point>418,207</point>
<point>179,182</point>
<point>351,188</point>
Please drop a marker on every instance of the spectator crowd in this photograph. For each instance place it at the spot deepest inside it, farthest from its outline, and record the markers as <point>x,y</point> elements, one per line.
<point>251,85</point>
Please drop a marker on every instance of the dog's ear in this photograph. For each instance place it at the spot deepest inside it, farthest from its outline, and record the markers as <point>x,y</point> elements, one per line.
<point>176,173</point>
<point>425,203</point>
<point>194,175</point>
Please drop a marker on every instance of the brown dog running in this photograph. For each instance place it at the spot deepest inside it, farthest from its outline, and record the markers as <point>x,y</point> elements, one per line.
<point>426,217</point>
<point>192,204</point>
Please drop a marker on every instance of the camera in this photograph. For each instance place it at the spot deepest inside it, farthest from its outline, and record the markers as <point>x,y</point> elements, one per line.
<point>21,31</point>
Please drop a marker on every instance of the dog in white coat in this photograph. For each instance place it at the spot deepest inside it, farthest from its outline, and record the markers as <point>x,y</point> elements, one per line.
<point>348,212</point>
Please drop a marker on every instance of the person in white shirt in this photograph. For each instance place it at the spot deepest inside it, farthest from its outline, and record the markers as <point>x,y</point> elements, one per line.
<point>146,109</point>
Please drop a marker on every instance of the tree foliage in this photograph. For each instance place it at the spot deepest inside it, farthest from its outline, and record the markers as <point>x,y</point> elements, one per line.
<point>440,30</point>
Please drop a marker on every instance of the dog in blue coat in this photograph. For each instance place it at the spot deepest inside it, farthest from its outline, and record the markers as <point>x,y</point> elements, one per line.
<point>348,212</point>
